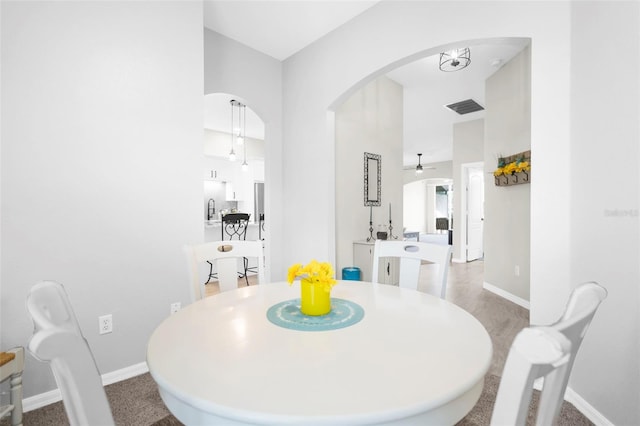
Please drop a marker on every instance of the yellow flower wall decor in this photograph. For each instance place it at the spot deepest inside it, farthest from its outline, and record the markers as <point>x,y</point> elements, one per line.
<point>513,169</point>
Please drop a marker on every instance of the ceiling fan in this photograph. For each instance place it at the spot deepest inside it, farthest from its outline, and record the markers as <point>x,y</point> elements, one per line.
<point>419,168</point>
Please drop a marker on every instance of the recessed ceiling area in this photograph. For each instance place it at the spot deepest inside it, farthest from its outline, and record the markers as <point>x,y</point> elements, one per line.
<point>428,123</point>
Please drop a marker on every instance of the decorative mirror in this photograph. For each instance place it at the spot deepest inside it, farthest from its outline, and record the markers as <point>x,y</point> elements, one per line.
<point>372,179</point>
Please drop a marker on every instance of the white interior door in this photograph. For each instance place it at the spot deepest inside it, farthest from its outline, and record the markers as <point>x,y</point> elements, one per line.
<point>475,213</point>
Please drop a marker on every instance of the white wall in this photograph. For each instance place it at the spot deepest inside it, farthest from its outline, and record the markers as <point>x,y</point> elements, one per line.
<point>604,202</point>
<point>256,79</point>
<point>415,202</point>
<point>101,178</point>
<point>468,147</point>
<point>369,121</point>
<point>419,204</point>
<point>393,33</point>
<point>507,131</point>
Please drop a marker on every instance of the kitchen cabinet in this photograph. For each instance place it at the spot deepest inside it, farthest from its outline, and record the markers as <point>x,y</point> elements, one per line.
<point>236,190</point>
<point>217,169</point>
<point>231,194</point>
<point>215,174</point>
<point>388,272</point>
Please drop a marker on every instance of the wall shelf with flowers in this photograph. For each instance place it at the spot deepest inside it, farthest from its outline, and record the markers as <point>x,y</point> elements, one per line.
<point>513,170</point>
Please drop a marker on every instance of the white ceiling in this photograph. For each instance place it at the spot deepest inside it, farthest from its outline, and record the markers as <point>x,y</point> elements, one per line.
<point>281,28</point>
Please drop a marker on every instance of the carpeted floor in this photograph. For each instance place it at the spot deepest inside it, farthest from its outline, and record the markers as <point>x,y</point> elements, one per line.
<point>150,411</point>
<point>481,413</point>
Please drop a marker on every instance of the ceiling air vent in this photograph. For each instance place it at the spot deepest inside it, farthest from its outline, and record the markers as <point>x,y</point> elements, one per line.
<point>465,107</point>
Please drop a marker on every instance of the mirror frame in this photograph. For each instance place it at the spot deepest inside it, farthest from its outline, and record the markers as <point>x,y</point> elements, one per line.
<point>372,176</point>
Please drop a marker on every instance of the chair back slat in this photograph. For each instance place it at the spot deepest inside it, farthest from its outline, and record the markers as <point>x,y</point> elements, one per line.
<point>234,226</point>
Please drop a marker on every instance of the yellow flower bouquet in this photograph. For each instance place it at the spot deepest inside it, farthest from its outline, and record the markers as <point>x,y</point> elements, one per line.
<point>316,281</point>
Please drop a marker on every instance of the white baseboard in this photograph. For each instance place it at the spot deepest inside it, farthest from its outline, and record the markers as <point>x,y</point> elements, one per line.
<point>124,373</point>
<point>585,408</point>
<point>46,398</point>
<point>505,294</point>
<point>581,405</point>
<point>456,260</point>
<point>41,400</point>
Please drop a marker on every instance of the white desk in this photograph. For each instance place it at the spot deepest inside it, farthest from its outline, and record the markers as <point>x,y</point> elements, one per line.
<point>412,358</point>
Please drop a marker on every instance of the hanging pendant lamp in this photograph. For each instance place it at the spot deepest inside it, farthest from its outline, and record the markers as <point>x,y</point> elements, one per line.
<point>232,154</point>
<point>245,166</point>
<point>419,166</point>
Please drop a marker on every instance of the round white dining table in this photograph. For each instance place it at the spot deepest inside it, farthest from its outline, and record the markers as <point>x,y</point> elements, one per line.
<point>411,359</point>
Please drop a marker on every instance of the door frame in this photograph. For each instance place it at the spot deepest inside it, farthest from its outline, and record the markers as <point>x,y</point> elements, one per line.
<point>464,178</point>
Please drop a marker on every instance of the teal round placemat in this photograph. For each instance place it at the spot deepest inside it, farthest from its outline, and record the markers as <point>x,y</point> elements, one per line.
<point>343,314</point>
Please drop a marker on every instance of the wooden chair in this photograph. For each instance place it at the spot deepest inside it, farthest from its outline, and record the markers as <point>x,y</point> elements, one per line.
<point>514,394</point>
<point>225,255</point>
<point>411,254</point>
<point>58,340</point>
<point>11,367</point>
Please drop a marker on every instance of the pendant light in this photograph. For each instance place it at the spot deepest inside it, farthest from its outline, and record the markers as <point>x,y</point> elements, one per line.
<point>232,154</point>
<point>419,166</point>
<point>242,118</point>
<point>245,166</point>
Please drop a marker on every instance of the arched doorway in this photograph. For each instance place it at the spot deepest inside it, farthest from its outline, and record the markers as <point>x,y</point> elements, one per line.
<point>501,272</point>
<point>232,129</point>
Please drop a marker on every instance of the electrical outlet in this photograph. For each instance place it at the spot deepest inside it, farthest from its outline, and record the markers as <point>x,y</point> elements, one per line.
<point>517,271</point>
<point>105,324</point>
<point>175,307</point>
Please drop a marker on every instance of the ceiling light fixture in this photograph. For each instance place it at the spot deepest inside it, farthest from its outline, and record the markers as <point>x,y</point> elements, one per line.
<point>455,60</point>
<point>419,166</point>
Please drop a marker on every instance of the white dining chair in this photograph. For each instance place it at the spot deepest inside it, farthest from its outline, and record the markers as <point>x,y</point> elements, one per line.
<point>411,255</point>
<point>573,324</point>
<point>57,339</point>
<point>11,367</point>
<point>224,255</point>
<point>535,352</point>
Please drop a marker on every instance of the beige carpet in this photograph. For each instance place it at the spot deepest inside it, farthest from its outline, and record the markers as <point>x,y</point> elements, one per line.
<point>136,402</point>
